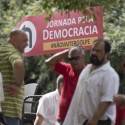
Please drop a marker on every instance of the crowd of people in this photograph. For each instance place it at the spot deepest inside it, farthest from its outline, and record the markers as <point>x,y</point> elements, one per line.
<point>86,94</point>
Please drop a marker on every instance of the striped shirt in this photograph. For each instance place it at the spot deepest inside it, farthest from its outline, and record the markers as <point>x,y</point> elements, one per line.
<point>12,106</point>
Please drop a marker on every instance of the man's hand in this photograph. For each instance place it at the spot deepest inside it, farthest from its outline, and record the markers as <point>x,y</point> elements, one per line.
<point>19,72</point>
<point>119,99</point>
<point>92,122</point>
<point>12,90</point>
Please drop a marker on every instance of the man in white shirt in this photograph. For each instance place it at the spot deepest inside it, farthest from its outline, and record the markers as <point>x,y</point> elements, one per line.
<point>92,103</point>
<point>48,106</point>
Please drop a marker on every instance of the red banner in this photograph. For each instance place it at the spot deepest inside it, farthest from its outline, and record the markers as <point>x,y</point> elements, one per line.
<point>62,31</point>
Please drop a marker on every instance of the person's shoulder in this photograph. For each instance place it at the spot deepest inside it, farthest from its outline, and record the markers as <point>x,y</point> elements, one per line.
<point>85,70</point>
<point>48,97</point>
<point>50,94</point>
<point>7,47</point>
<point>64,63</point>
<point>110,69</point>
<point>111,72</point>
<point>7,44</point>
<point>4,46</point>
<point>87,67</point>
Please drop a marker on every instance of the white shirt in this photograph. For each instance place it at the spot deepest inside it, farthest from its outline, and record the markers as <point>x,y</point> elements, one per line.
<point>1,91</point>
<point>99,85</point>
<point>48,105</point>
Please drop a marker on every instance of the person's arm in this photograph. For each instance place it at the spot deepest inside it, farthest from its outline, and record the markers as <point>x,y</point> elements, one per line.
<point>19,72</point>
<point>39,119</point>
<point>103,106</point>
<point>56,58</point>
<point>42,110</point>
<point>109,88</point>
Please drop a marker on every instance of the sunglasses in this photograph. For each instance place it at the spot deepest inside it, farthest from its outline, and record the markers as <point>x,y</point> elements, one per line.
<point>73,58</point>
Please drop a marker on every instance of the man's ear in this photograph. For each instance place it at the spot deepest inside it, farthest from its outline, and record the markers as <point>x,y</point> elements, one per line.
<point>12,39</point>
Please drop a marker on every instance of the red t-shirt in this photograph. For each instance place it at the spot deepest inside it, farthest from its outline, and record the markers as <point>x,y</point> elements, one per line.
<point>120,115</point>
<point>69,85</point>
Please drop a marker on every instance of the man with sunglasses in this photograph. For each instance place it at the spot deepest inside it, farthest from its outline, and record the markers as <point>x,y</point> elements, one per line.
<point>70,72</point>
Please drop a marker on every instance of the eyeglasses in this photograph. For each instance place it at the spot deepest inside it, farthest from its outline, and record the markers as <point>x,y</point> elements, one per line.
<point>73,58</point>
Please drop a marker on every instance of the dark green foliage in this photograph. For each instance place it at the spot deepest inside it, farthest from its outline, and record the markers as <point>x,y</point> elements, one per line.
<point>117,55</point>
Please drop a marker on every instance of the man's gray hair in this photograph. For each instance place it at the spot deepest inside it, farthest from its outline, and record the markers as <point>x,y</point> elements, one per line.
<point>77,48</point>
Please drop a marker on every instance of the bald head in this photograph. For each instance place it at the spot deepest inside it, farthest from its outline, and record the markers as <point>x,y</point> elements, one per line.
<point>18,39</point>
<point>16,32</point>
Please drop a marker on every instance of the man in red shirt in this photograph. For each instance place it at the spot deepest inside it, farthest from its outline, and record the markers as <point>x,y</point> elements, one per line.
<point>70,72</point>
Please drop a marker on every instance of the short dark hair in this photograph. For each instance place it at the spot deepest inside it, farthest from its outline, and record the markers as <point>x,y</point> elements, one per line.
<point>16,32</point>
<point>107,46</point>
<point>78,48</point>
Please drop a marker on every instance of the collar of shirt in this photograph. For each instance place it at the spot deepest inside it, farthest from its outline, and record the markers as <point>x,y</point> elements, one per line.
<point>104,67</point>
